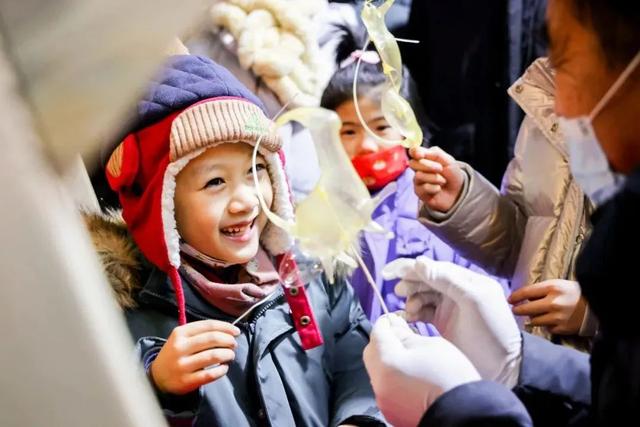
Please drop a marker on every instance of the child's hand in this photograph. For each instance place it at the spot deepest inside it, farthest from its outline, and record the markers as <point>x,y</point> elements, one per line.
<point>439,179</point>
<point>180,365</point>
<point>555,304</point>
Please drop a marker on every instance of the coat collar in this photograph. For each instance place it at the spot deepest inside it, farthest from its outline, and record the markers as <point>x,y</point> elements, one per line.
<point>269,325</point>
<point>399,213</point>
<point>403,201</point>
<point>534,92</point>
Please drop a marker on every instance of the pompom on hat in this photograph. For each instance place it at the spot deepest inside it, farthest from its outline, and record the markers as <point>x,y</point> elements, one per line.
<point>194,105</point>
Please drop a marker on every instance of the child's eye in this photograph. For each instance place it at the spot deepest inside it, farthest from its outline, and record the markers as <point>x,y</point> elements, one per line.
<point>348,132</point>
<point>259,167</point>
<point>215,182</point>
<point>382,128</point>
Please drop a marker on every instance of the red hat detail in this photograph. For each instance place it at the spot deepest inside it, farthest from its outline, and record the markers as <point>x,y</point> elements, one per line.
<point>136,171</point>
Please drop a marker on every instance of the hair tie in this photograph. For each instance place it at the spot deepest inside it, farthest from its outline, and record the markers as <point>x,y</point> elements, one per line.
<point>368,56</point>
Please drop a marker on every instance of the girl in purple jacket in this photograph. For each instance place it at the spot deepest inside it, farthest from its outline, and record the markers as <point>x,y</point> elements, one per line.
<point>380,165</point>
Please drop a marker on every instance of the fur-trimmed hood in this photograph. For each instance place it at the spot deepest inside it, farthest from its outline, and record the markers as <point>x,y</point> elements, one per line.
<point>123,263</point>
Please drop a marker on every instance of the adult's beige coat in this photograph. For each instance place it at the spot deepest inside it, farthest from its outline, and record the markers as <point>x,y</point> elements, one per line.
<point>532,229</point>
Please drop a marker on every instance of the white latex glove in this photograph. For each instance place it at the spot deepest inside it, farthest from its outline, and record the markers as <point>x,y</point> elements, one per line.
<point>409,372</point>
<point>468,308</point>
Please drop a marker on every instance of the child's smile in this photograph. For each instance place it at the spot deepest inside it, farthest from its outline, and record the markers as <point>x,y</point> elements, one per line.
<point>240,232</point>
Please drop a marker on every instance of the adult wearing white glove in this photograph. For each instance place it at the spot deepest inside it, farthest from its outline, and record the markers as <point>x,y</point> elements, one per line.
<point>469,309</point>
<point>409,372</point>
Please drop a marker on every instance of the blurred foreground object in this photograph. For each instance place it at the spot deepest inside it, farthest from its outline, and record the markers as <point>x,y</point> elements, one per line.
<point>68,69</point>
<point>79,64</point>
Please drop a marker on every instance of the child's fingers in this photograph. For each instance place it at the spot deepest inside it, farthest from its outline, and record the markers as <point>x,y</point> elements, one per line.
<point>207,340</point>
<point>417,152</point>
<point>427,190</point>
<point>205,376</point>
<point>195,328</point>
<point>439,155</point>
<point>424,165</point>
<point>211,357</point>
<point>429,178</point>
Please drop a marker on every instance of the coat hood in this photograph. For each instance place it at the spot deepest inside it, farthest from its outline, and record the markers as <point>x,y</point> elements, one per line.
<point>123,263</point>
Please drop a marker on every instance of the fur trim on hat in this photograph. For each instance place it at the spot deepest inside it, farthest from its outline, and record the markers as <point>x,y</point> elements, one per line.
<point>168,211</point>
<point>274,239</point>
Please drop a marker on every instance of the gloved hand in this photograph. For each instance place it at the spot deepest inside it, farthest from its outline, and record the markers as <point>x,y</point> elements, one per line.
<point>469,309</point>
<point>409,372</point>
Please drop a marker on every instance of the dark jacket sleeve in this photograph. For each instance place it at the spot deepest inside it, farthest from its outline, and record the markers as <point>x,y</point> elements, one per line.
<point>179,411</point>
<point>477,404</point>
<point>353,401</point>
<point>554,383</point>
<point>554,389</point>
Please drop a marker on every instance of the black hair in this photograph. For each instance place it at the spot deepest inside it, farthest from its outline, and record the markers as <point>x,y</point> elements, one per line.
<point>370,77</point>
<point>616,24</point>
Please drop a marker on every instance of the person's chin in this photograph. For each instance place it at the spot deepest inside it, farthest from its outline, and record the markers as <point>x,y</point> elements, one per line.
<point>243,255</point>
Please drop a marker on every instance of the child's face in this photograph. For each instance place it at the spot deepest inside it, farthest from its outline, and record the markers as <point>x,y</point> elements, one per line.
<point>355,139</point>
<point>217,209</point>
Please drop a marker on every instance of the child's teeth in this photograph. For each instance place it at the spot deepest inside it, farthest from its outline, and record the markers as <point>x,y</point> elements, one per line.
<point>237,230</point>
<point>234,230</point>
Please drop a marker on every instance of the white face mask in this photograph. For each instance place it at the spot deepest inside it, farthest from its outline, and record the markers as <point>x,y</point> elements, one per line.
<point>587,160</point>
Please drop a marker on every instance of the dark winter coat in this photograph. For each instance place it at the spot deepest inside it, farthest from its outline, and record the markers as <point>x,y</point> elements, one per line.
<point>556,385</point>
<point>273,380</point>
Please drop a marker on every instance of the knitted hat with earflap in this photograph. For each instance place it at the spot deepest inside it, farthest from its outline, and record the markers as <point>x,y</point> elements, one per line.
<point>193,105</point>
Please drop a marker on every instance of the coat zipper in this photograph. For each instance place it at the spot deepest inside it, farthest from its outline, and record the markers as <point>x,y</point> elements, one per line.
<point>263,309</point>
<point>251,326</point>
<point>576,238</point>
